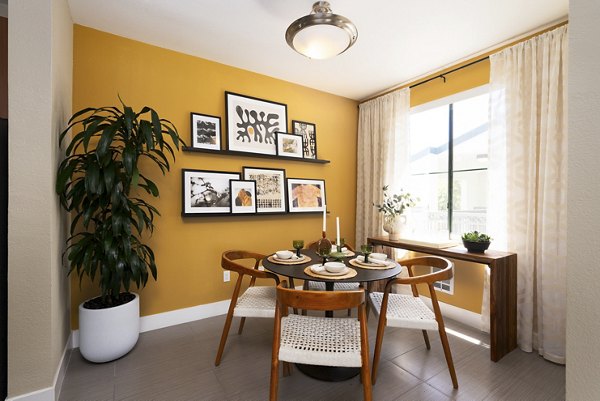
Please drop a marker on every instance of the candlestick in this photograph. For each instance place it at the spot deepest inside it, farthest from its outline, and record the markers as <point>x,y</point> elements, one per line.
<point>337,230</point>
<point>324,217</point>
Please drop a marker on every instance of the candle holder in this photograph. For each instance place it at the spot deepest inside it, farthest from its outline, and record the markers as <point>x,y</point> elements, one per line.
<point>324,247</point>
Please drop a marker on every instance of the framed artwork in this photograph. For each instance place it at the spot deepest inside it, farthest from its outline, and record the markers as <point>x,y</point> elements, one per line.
<point>306,195</point>
<point>309,137</point>
<point>206,131</point>
<point>243,194</point>
<point>270,188</point>
<point>206,192</point>
<point>252,123</point>
<point>289,145</point>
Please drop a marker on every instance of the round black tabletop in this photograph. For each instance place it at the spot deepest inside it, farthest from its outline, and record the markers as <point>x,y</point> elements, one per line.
<point>297,271</point>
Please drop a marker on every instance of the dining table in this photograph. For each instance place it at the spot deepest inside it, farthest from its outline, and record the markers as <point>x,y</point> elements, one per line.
<point>363,275</point>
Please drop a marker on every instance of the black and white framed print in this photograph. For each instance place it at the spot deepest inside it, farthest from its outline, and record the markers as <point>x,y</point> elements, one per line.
<point>306,195</point>
<point>207,192</point>
<point>270,188</point>
<point>289,145</point>
<point>243,194</point>
<point>252,123</point>
<point>309,137</point>
<point>206,131</point>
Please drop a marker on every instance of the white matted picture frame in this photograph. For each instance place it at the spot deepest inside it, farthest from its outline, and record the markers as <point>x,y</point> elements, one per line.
<point>289,145</point>
<point>253,123</point>
<point>206,192</point>
<point>306,195</point>
<point>270,188</point>
<point>206,131</point>
<point>309,137</point>
<point>243,195</point>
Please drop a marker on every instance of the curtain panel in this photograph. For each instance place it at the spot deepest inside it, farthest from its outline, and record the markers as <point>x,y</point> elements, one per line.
<point>528,176</point>
<point>382,157</point>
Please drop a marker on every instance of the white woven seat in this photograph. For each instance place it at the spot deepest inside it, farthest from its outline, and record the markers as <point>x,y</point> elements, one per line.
<point>405,311</point>
<point>320,286</point>
<point>320,341</point>
<point>256,302</point>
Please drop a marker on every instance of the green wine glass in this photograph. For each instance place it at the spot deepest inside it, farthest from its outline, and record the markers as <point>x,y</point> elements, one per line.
<point>298,244</point>
<point>366,249</point>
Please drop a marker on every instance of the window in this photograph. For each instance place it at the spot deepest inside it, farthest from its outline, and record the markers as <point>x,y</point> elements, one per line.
<point>446,286</point>
<point>448,165</point>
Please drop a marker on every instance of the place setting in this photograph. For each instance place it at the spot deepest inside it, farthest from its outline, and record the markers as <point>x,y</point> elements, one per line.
<point>285,257</point>
<point>371,260</point>
<point>330,270</point>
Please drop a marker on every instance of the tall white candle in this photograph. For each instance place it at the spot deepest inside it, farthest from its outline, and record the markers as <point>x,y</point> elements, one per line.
<point>337,230</point>
<point>324,217</point>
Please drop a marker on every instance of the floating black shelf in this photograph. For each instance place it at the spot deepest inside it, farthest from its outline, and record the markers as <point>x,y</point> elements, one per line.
<point>259,155</point>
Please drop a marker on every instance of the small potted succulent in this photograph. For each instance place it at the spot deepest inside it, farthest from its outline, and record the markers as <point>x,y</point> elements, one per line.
<point>476,242</point>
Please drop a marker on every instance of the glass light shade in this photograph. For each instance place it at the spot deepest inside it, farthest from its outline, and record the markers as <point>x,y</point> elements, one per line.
<point>321,41</point>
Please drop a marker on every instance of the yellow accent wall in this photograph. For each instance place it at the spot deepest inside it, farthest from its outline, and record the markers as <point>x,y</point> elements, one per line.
<point>188,250</point>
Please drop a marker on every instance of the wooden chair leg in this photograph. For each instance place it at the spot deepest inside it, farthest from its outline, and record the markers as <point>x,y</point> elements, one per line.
<point>426,338</point>
<point>448,355</point>
<point>242,321</point>
<point>364,369</point>
<point>287,369</point>
<point>304,288</point>
<point>224,337</point>
<point>274,380</point>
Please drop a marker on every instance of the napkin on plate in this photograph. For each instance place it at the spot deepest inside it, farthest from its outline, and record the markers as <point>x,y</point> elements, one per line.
<point>361,258</point>
<point>317,268</point>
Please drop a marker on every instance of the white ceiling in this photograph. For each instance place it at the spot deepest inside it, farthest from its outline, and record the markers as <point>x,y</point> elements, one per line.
<point>398,40</point>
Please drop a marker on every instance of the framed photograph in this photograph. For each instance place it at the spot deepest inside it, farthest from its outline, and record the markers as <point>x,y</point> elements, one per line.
<point>289,145</point>
<point>306,195</point>
<point>309,137</point>
<point>243,194</point>
<point>252,123</point>
<point>206,131</point>
<point>270,188</point>
<point>206,192</point>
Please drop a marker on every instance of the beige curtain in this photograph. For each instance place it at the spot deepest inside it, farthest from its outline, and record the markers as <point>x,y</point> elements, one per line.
<point>528,157</point>
<point>382,156</point>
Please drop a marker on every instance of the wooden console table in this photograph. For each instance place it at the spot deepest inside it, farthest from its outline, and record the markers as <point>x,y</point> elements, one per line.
<point>503,288</point>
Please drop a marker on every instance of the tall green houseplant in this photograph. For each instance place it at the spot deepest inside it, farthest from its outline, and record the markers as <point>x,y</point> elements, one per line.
<point>98,184</point>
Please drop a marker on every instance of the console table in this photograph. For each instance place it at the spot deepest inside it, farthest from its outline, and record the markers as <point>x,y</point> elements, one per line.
<point>503,288</point>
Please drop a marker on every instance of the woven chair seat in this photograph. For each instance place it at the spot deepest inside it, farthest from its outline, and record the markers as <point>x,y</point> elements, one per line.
<point>406,311</point>
<point>256,302</point>
<point>320,286</point>
<point>320,341</point>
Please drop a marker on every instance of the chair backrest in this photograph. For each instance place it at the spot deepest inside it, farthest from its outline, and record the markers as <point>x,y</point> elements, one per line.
<point>319,300</point>
<point>313,245</point>
<point>446,272</point>
<point>229,262</point>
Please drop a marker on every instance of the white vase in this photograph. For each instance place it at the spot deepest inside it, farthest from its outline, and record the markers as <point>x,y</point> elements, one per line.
<point>394,225</point>
<point>108,334</point>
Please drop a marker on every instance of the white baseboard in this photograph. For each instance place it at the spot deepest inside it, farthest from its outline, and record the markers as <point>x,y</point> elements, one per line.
<point>50,393</point>
<point>174,317</point>
<point>463,316</point>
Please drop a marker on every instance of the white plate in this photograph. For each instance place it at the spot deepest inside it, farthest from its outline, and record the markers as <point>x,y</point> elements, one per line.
<point>361,259</point>
<point>320,269</point>
<point>293,258</point>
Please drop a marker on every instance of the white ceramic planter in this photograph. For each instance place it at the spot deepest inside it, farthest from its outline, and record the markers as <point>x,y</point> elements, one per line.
<point>394,226</point>
<point>108,334</point>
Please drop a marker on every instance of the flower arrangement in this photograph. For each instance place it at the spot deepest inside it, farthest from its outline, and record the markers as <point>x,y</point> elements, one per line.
<point>394,205</point>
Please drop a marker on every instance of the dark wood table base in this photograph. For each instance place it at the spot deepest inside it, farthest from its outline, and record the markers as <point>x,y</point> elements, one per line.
<point>328,373</point>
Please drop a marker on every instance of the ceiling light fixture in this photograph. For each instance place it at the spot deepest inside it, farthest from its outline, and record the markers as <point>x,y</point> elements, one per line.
<point>321,34</point>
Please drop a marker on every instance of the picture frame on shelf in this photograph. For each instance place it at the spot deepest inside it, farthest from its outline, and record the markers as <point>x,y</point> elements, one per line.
<point>243,194</point>
<point>206,192</point>
<point>253,123</point>
<point>270,188</point>
<point>289,145</point>
<point>205,131</point>
<point>306,195</point>
<point>309,137</point>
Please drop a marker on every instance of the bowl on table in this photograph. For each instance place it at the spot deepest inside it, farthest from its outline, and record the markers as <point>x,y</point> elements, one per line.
<point>284,255</point>
<point>334,267</point>
<point>378,256</point>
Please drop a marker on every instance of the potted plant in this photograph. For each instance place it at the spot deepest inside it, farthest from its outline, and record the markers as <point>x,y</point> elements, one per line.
<point>476,242</point>
<point>100,183</point>
<point>393,208</point>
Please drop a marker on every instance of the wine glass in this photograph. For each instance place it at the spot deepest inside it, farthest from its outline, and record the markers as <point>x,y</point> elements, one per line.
<point>366,249</point>
<point>298,244</point>
<point>341,245</point>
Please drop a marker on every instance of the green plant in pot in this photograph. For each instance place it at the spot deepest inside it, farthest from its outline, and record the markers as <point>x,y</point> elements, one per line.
<point>393,208</point>
<point>100,183</point>
<point>475,241</point>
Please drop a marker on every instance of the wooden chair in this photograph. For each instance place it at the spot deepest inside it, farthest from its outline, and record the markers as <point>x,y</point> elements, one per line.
<point>300,339</point>
<point>255,301</point>
<point>410,312</point>
<point>319,285</point>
